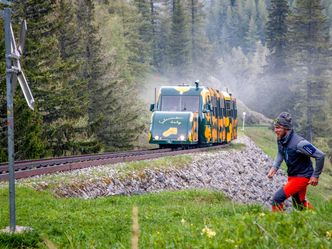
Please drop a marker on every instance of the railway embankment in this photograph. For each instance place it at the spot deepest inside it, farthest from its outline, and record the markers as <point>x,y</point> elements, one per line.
<point>239,173</point>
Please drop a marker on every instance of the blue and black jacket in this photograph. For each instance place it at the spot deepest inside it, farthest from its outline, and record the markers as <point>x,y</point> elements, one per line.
<point>296,151</point>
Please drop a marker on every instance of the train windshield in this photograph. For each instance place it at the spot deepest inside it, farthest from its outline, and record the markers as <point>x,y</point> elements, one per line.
<point>180,103</point>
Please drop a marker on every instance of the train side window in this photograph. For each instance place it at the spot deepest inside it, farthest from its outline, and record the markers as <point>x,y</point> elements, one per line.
<point>222,107</point>
<point>214,110</point>
<point>228,108</point>
<point>235,110</point>
<point>218,109</point>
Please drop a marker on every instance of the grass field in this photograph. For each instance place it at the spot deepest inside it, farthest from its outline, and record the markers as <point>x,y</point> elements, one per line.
<point>181,219</point>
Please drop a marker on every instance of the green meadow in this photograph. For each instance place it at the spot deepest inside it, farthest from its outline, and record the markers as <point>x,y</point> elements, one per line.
<point>179,219</point>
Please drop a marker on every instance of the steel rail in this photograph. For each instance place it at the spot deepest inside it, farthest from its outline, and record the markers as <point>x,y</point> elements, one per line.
<point>29,168</point>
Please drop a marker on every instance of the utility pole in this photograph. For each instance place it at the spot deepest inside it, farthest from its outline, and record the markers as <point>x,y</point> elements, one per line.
<point>14,74</point>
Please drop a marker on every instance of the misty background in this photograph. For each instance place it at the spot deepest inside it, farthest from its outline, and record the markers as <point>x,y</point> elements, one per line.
<point>93,66</point>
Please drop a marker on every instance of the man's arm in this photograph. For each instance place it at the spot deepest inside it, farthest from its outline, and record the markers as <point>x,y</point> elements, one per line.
<point>276,165</point>
<point>308,149</point>
<point>277,161</point>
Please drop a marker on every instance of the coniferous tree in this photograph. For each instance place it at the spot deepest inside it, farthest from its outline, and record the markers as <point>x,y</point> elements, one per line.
<point>42,66</point>
<point>162,38</point>
<point>261,19</point>
<point>119,112</point>
<point>200,56</point>
<point>236,23</point>
<point>224,30</point>
<point>146,29</point>
<point>251,36</point>
<point>79,136</point>
<point>309,40</point>
<point>276,35</point>
<point>54,81</point>
<point>275,82</point>
<point>180,41</point>
<point>91,68</point>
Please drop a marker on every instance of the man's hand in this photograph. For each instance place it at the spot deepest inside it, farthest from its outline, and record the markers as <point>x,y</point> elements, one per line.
<point>313,181</point>
<point>272,172</point>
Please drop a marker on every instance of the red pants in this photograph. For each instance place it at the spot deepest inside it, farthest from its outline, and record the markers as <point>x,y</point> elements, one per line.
<point>296,187</point>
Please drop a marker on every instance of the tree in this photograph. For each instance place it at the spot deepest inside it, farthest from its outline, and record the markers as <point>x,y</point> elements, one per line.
<point>79,138</point>
<point>200,56</point>
<point>275,83</point>
<point>276,35</point>
<point>118,111</point>
<point>162,39</point>
<point>180,41</point>
<point>54,81</point>
<point>146,29</point>
<point>251,36</point>
<point>42,66</point>
<point>261,19</point>
<point>309,42</point>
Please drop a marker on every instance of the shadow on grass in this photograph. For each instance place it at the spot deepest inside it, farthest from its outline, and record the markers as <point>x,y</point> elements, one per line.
<point>29,239</point>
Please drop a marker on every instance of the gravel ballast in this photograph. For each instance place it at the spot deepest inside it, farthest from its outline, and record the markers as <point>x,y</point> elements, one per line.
<point>239,174</point>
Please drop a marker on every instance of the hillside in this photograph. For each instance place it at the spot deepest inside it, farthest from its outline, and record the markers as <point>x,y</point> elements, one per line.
<point>252,117</point>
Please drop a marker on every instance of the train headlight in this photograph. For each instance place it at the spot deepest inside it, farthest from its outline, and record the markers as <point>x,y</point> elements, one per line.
<point>182,138</point>
<point>156,137</point>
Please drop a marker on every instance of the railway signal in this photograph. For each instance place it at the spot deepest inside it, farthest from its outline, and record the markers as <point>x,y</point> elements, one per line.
<point>14,74</point>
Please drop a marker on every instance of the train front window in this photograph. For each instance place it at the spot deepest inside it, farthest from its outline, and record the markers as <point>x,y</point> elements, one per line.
<point>180,103</point>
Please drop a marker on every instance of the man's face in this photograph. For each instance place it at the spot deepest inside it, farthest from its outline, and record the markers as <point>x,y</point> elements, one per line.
<point>280,131</point>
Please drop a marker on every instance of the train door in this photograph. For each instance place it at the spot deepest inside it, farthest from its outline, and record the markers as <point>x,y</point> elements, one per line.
<point>228,120</point>
<point>214,119</point>
<point>219,140</point>
<point>222,114</point>
<point>208,119</point>
<point>235,120</point>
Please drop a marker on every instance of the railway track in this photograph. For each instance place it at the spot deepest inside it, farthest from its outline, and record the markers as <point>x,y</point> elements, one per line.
<point>28,168</point>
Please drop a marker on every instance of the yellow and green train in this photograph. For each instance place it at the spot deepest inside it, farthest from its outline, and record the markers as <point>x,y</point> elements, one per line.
<point>193,115</point>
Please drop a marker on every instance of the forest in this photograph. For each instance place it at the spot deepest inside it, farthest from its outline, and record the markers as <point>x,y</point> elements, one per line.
<point>91,64</point>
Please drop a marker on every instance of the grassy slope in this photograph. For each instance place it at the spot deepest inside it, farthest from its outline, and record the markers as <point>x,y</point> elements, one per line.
<point>167,220</point>
<point>266,140</point>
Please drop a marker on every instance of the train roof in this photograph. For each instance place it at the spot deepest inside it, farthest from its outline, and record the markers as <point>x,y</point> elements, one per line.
<point>192,90</point>
<point>182,89</point>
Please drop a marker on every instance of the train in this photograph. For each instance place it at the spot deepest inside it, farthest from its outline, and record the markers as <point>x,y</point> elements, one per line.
<point>185,116</point>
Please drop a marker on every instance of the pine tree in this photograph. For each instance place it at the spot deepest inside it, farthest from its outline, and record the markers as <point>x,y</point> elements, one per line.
<point>251,36</point>
<point>91,68</point>
<point>180,41</point>
<point>32,129</point>
<point>275,81</point>
<point>79,138</point>
<point>54,81</point>
<point>276,34</point>
<point>309,38</point>
<point>162,38</point>
<point>200,55</point>
<point>146,29</point>
<point>118,110</point>
<point>261,20</point>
